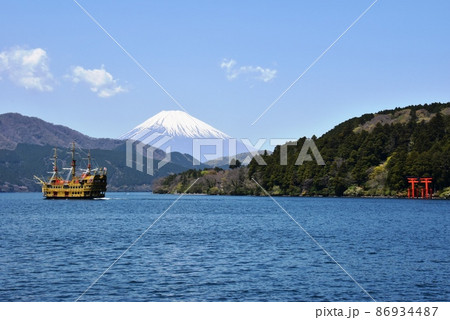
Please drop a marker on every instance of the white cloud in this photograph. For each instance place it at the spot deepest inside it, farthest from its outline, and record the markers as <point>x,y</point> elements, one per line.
<point>228,64</point>
<point>100,81</point>
<point>258,73</point>
<point>27,68</point>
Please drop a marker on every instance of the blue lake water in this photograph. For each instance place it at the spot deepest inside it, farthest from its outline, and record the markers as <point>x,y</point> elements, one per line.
<point>219,248</point>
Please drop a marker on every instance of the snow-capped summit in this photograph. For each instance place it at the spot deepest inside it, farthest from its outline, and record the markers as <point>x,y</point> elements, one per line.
<point>175,123</point>
<point>176,131</point>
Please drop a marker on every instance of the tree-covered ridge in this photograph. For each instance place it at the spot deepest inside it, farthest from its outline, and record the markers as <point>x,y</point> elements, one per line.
<point>370,155</point>
<point>368,162</point>
<point>18,129</point>
<point>210,181</point>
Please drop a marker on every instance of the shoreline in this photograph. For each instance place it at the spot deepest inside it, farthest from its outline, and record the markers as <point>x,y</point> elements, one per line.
<point>247,195</point>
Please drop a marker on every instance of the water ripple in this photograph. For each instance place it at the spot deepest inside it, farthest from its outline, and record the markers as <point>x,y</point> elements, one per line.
<point>223,249</point>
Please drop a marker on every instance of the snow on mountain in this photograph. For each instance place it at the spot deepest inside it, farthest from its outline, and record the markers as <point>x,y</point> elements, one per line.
<point>175,123</point>
<point>177,130</point>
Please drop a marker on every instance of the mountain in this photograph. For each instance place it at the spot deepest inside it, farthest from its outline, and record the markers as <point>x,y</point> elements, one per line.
<point>26,148</point>
<point>369,155</point>
<point>175,123</point>
<point>224,162</point>
<point>177,130</point>
<point>16,128</point>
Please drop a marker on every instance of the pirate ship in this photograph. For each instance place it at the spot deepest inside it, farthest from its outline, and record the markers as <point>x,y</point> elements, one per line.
<point>90,184</point>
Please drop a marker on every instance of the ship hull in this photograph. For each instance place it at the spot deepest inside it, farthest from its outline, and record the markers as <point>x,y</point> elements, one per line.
<point>73,198</point>
<point>89,187</point>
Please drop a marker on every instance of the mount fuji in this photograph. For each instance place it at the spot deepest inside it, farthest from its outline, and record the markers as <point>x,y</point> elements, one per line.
<point>177,130</point>
<point>176,123</point>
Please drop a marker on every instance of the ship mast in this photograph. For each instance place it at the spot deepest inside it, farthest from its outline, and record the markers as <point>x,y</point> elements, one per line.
<point>55,158</point>
<point>73,160</point>
<point>89,163</point>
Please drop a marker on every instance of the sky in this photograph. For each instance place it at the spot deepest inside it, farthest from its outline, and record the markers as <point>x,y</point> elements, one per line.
<point>222,62</point>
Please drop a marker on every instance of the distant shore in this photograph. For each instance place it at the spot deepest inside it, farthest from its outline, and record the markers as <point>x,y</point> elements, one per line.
<point>262,195</point>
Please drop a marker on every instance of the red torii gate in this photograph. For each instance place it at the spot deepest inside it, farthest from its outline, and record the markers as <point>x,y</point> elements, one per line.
<point>413,192</point>
<point>428,192</point>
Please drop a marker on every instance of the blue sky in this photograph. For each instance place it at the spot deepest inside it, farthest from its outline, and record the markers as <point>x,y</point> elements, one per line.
<point>225,62</point>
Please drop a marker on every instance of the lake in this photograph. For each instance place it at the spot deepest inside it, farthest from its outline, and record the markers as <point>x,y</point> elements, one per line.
<point>223,248</point>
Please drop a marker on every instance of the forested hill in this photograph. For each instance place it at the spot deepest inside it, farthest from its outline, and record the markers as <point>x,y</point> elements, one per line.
<point>16,128</point>
<point>369,155</point>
